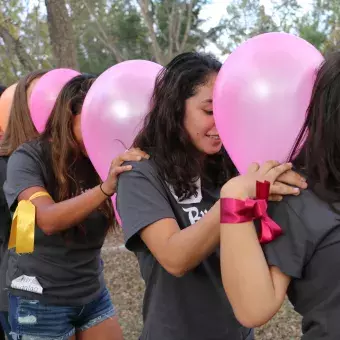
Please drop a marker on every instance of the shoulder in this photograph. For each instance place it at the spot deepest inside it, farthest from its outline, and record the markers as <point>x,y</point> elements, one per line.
<point>145,168</point>
<point>307,210</point>
<point>33,150</point>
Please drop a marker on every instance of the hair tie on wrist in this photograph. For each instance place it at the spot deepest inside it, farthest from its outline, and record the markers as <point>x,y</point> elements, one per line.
<point>238,211</point>
<point>107,195</point>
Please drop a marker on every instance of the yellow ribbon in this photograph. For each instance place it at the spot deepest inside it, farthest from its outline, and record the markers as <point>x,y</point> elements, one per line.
<point>23,225</point>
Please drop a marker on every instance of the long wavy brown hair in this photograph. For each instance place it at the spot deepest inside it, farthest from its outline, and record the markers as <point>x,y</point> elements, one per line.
<point>70,166</point>
<point>164,136</point>
<point>317,149</point>
<point>20,128</point>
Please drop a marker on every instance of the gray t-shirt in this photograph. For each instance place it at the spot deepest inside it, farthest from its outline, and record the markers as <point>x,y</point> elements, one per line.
<point>190,307</point>
<point>67,265</point>
<point>309,252</point>
<point>5,225</point>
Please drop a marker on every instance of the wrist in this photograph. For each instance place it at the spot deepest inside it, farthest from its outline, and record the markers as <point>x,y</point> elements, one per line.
<point>106,189</point>
<point>234,190</point>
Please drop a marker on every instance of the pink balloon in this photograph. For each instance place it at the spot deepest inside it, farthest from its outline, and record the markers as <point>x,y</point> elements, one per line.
<point>114,202</point>
<point>114,109</point>
<point>45,93</point>
<point>261,96</point>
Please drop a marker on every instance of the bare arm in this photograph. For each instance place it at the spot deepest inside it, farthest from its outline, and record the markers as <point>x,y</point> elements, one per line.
<point>179,251</point>
<point>54,217</point>
<point>255,291</point>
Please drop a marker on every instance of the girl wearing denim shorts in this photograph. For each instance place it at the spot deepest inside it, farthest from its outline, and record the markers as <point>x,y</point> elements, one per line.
<point>57,291</point>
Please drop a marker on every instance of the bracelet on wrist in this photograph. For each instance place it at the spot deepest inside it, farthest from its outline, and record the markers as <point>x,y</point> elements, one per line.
<point>106,194</point>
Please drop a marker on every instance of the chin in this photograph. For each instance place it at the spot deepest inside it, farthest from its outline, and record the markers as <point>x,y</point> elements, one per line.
<point>211,150</point>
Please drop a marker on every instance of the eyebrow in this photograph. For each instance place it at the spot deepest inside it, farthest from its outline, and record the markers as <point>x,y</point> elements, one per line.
<point>207,101</point>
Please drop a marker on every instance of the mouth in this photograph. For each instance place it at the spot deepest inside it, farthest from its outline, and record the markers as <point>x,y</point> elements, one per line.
<point>214,137</point>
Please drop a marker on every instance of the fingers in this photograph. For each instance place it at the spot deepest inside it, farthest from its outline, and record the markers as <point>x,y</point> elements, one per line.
<point>275,198</point>
<point>253,167</point>
<point>277,171</point>
<point>293,178</point>
<point>140,152</point>
<point>282,189</point>
<point>267,166</point>
<point>120,169</point>
<point>132,155</point>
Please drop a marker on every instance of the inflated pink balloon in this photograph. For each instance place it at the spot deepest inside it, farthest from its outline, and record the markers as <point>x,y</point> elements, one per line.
<point>114,202</point>
<point>261,96</point>
<point>45,93</point>
<point>114,109</point>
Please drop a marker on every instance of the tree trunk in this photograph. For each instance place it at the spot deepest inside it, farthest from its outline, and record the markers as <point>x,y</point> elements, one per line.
<point>61,34</point>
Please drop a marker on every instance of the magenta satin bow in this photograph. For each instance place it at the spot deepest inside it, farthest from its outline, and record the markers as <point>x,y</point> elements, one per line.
<point>237,211</point>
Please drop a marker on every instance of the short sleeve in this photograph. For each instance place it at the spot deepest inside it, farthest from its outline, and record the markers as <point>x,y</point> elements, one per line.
<point>23,172</point>
<point>5,217</point>
<point>290,251</point>
<point>141,201</point>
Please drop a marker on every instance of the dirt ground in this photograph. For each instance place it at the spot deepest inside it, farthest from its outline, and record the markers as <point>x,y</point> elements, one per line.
<point>126,287</point>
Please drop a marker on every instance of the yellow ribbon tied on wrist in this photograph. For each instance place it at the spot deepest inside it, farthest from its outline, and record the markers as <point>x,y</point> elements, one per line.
<point>23,225</point>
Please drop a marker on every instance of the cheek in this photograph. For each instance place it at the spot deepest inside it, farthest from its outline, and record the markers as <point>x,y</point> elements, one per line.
<point>200,126</point>
<point>77,130</point>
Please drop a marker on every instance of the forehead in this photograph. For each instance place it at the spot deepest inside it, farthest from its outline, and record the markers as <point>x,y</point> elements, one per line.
<point>205,91</point>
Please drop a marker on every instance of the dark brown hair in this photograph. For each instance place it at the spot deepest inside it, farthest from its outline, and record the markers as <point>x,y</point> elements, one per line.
<point>67,158</point>
<point>317,149</point>
<point>164,136</point>
<point>20,128</point>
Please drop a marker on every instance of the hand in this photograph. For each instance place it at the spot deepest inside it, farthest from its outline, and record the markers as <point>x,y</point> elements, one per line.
<point>277,174</point>
<point>295,183</point>
<point>116,168</point>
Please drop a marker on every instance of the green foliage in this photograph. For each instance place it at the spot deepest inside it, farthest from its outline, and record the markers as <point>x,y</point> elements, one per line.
<point>110,31</point>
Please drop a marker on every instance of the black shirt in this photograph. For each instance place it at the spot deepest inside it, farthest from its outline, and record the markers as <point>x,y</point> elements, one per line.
<point>5,225</point>
<point>194,306</point>
<point>309,252</point>
<point>68,268</point>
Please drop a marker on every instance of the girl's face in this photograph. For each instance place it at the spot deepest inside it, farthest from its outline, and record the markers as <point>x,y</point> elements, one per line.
<point>77,132</point>
<point>199,120</point>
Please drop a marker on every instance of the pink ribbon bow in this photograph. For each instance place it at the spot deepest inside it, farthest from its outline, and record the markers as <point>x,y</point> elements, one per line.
<point>237,211</point>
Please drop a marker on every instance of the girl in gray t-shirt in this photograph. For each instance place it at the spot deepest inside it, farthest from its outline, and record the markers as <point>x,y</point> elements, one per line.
<point>58,290</point>
<point>304,262</point>
<point>169,207</point>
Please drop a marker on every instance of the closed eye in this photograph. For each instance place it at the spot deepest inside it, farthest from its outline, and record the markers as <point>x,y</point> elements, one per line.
<point>208,112</point>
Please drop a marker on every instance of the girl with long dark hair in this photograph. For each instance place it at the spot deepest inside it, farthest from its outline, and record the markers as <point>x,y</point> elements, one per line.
<point>58,290</point>
<point>304,261</point>
<point>20,129</point>
<point>169,206</point>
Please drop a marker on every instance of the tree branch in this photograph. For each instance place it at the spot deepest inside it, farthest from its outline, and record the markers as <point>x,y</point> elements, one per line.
<point>188,26</point>
<point>171,28</point>
<point>144,6</point>
<point>179,26</point>
<point>104,38</point>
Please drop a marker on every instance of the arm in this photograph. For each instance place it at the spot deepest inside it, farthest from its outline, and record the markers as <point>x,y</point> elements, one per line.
<point>54,217</point>
<point>179,251</point>
<point>145,210</point>
<point>255,291</point>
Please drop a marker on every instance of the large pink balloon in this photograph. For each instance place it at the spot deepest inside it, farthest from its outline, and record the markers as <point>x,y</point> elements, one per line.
<point>114,109</point>
<point>45,93</point>
<point>261,96</point>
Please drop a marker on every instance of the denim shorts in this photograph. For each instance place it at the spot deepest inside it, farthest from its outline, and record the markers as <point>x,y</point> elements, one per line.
<point>33,320</point>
